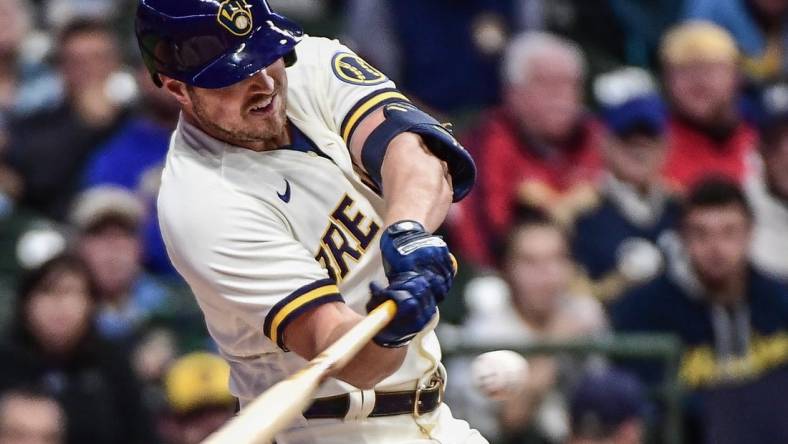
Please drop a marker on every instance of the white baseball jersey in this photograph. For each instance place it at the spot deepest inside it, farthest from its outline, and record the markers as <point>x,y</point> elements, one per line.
<point>262,237</point>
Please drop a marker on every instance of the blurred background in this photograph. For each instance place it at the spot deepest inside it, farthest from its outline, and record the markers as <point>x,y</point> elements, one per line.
<point>628,233</point>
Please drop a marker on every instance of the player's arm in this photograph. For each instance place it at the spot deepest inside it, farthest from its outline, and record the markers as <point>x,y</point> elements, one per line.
<point>249,266</point>
<point>418,165</point>
<point>416,183</point>
<point>407,155</point>
<point>412,160</point>
<point>417,186</point>
<point>316,330</point>
<point>416,296</point>
<point>420,169</point>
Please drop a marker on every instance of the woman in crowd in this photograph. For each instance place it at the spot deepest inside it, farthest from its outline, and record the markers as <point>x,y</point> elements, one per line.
<point>53,344</point>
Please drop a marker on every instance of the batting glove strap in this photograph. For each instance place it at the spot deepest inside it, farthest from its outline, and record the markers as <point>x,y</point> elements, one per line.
<point>414,295</point>
<point>407,247</point>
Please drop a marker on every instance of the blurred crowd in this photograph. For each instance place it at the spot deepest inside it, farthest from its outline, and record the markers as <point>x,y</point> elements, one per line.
<point>633,179</point>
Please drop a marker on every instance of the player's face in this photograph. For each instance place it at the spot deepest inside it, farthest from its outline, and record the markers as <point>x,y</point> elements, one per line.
<point>87,60</point>
<point>113,255</point>
<point>549,101</point>
<point>703,91</point>
<point>30,421</point>
<point>538,268</point>
<point>250,113</point>
<point>717,241</point>
<point>13,26</point>
<point>59,312</point>
<point>636,160</point>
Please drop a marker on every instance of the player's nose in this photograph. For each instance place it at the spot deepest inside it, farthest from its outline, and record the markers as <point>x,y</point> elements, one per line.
<point>262,82</point>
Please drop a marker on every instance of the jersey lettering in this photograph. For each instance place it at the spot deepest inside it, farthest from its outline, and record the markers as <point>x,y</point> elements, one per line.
<point>353,223</point>
<point>340,248</point>
<point>346,238</point>
<point>323,258</point>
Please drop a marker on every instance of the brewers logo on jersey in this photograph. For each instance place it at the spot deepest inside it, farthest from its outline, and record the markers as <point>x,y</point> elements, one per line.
<point>352,69</point>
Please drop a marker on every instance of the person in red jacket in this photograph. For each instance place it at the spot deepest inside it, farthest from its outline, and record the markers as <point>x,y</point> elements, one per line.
<point>706,132</point>
<point>538,147</point>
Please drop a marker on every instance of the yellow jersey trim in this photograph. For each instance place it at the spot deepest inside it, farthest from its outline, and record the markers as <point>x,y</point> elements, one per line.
<point>366,106</point>
<point>296,303</point>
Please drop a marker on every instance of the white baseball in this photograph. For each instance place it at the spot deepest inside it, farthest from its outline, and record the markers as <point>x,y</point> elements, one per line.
<point>499,374</point>
<point>639,259</point>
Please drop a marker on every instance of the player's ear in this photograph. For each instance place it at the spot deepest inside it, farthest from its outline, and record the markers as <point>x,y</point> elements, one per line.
<point>177,89</point>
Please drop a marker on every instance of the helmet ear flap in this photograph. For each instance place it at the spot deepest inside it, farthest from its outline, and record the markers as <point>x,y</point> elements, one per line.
<point>148,59</point>
<point>290,58</point>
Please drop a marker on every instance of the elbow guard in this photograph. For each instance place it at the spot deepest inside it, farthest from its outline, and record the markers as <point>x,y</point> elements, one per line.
<point>403,117</point>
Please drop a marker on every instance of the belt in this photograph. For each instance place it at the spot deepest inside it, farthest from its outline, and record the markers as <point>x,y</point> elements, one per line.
<point>411,402</point>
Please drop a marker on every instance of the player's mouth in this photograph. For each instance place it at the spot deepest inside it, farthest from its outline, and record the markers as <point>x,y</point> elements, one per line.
<point>263,107</point>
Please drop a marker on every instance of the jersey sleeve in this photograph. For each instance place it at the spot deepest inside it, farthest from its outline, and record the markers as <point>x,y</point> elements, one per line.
<point>355,88</point>
<point>250,265</point>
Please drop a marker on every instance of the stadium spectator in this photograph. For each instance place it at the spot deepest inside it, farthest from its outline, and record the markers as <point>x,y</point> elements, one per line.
<point>22,89</point>
<point>707,132</point>
<point>199,401</point>
<point>15,22</point>
<point>616,241</point>
<point>759,28</point>
<point>26,83</point>
<point>49,148</point>
<point>30,417</point>
<point>53,344</point>
<point>768,192</point>
<point>418,41</point>
<point>540,147</point>
<point>133,159</point>
<point>140,144</point>
<point>731,319</point>
<point>536,303</point>
<point>608,407</point>
<point>27,242</point>
<point>108,220</point>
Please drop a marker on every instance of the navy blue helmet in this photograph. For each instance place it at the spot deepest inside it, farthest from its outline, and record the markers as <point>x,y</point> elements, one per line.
<point>212,43</point>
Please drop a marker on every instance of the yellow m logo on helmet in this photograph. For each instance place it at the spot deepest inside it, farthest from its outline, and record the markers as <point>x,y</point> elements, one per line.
<point>236,17</point>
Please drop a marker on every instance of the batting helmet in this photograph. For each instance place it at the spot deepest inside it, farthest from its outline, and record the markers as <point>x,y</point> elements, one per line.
<point>212,43</point>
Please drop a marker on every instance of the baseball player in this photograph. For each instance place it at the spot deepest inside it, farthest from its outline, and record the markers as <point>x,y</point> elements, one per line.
<point>300,191</point>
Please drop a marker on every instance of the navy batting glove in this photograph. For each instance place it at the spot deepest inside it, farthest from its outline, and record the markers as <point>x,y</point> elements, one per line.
<point>407,247</point>
<point>415,298</point>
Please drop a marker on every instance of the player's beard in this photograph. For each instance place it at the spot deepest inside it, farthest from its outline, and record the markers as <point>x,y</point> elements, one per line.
<point>259,137</point>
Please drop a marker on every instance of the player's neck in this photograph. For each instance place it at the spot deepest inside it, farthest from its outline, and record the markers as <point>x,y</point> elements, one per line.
<point>282,139</point>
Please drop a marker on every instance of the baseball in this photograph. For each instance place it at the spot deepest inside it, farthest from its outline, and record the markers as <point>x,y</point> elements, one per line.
<point>499,374</point>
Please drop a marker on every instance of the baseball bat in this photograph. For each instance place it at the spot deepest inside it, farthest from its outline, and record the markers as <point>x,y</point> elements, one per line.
<point>276,408</point>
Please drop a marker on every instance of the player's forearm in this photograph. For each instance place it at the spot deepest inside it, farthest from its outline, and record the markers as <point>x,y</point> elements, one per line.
<point>315,331</point>
<point>371,365</point>
<point>416,184</point>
